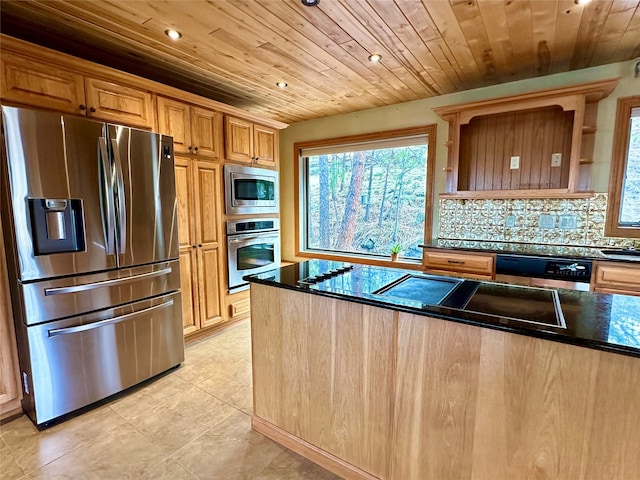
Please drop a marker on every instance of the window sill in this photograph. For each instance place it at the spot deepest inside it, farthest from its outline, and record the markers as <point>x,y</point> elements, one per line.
<point>406,263</point>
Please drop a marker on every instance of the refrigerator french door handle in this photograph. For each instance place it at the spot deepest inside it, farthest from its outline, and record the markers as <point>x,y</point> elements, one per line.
<point>107,198</point>
<point>103,323</point>
<point>122,210</point>
<point>105,283</point>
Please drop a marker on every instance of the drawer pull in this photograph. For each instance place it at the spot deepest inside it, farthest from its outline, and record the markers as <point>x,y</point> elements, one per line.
<point>456,262</point>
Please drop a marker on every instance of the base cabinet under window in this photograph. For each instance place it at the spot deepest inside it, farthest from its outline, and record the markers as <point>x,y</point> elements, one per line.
<point>616,277</point>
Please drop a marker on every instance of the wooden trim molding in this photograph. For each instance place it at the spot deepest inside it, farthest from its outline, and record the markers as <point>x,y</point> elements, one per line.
<point>309,451</point>
<point>428,130</point>
<point>593,92</point>
<point>612,227</point>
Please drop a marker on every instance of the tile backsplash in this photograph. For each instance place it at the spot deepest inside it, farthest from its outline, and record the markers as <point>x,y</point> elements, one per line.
<point>574,222</point>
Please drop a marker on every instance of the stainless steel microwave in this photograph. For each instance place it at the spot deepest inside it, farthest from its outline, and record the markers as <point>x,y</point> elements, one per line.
<point>249,190</point>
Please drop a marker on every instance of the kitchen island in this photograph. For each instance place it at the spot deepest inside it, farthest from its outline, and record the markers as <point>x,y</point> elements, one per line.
<point>371,386</point>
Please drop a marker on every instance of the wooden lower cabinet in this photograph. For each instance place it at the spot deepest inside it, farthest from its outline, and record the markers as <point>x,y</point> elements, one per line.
<point>201,266</point>
<point>455,263</point>
<point>616,277</point>
<point>372,393</point>
<point>10,388</point>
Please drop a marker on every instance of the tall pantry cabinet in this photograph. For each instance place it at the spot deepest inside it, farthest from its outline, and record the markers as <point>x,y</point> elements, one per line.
<point>201,266</point>
<point>197,135</point>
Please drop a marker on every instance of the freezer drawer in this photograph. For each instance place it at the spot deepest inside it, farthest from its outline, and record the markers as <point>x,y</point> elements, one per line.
<point>65,297</point>
<point>75,362</point>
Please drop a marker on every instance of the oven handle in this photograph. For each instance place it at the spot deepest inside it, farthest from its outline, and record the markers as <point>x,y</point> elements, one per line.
<point>243,238</point>
<point>110,321</point>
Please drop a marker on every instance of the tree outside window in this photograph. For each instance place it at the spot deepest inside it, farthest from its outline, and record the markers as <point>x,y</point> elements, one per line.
<point>630,202</point>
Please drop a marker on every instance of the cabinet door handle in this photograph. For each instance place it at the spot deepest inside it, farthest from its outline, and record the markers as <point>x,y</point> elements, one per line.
<point>92,109</point>
<point>189,147</point>
<point>456,262</point>
<point>257,159</point>
<point>195,149</point>
<point>82,107</point>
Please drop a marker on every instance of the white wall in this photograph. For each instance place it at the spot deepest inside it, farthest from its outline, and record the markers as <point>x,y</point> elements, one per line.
<point>419,112</point>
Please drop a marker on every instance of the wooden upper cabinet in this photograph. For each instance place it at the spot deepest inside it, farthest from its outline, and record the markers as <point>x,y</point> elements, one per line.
<point>538,144</point>
<point>34,83</point>
<point>39,84</point>
<point>250,143</point>
<point>174,120</point>
<point>195,130</point>
<point>238,140</point>
<point>114,102</point>
<point>206,126</point>
<point>265,146</point>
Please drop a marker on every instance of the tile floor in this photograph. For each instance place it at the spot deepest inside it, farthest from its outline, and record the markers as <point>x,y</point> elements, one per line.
<point>193,423</point>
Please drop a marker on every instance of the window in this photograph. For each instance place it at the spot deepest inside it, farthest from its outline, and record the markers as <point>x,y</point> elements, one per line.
<point>361,195</point>
<point>623,211</point>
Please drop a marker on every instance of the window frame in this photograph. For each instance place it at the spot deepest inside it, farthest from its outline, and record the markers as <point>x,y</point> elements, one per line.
<point>621,140</point>
<point>299,190</point>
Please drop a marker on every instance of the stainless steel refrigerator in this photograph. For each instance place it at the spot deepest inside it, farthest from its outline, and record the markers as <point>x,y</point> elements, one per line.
<point>89,212</point>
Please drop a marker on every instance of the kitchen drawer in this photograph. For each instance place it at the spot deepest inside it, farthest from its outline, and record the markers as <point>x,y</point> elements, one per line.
<point>466,264</point>
<point>616,277</point>
<point>241,308</point>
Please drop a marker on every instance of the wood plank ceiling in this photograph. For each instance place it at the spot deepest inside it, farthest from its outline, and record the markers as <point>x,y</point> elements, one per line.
<point>235,51</point>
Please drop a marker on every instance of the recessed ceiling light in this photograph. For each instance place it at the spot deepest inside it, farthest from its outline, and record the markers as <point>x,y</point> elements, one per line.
<point>173,34</point>
<point>375,57</point>
<point>310,3</point>
<point>282,84</point>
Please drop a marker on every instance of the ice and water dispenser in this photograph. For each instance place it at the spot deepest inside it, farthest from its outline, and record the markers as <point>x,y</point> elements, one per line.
<point>57,225</point>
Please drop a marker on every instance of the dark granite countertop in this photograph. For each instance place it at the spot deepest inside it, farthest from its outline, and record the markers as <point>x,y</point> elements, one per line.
<point>592,320</point>
<point>542,250</point>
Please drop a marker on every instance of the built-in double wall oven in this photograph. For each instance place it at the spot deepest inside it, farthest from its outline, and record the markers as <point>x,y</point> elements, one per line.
<point>253,246</point>
<point>253,243</point>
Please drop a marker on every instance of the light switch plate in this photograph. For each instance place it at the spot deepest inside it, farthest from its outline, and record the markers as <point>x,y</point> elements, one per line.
<point>556,159</point>
<point>568,222</point>
<point>515,163</point>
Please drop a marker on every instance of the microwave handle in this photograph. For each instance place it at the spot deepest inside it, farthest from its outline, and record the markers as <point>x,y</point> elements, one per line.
<point>239,239</point>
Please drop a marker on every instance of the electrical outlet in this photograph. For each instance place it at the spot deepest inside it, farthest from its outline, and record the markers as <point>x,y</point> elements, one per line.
<point>547,221</point>
<point>510,221</point>
<point>556,159</point>
<point>515,163</point>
